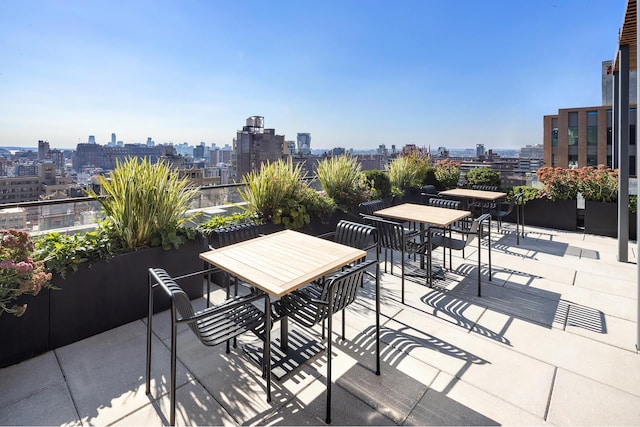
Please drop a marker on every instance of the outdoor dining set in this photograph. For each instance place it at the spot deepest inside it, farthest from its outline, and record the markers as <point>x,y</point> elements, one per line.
<point>287,275</point>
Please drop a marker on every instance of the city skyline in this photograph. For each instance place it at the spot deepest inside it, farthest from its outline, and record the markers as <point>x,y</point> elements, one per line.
<point>353,74</point>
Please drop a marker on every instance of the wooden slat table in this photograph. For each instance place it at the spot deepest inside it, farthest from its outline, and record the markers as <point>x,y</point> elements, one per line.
<point>278,264</point>
<point>473,194</point>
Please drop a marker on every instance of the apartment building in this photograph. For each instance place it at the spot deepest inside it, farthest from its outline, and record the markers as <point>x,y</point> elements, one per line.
<point>577,137</point>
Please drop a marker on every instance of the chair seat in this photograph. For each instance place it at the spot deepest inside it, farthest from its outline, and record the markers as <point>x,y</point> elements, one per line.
<point>447,242</point>
<point>222,326</point>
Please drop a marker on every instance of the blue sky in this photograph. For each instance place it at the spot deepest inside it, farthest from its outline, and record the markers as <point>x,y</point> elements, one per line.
<point>354,74</point>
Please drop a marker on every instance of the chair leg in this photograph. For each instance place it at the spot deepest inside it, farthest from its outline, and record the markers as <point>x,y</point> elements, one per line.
<point>172,395</point>
<point>266,357</point>
<point>329,349</point>
<point>402,276</point>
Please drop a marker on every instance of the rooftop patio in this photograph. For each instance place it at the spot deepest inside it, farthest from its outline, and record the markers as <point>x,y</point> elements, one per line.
<point>551,341</point>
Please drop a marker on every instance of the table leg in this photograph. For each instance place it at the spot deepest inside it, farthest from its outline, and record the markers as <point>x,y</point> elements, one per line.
<point>284,333</point>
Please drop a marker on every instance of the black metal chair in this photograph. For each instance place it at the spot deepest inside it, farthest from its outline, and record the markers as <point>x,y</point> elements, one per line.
<point>368,208</point>
<point>504,209</point>
<point>214,325</point>
<point>393,236</point>
<point>312,305</point>
<point>477,230</point>
<point>428,192</point>
<point>229,235</point>
<point>356,235</point>
<point>480,207</point>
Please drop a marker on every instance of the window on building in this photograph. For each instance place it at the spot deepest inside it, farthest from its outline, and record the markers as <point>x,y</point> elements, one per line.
<point>632,126</point>
<point>573,128</point>
<point>592,127</point>
<point>554,132</point>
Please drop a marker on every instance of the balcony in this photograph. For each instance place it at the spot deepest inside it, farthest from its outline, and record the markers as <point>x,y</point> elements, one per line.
<point>551,341</point>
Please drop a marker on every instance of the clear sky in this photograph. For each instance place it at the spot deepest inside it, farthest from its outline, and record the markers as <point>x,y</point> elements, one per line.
<point>353,73</point>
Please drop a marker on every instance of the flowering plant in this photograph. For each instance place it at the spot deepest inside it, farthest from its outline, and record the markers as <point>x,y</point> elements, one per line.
<point>598,184</point>
<point>559,183</point>
<point>19,273</point>
<point>448,173</point>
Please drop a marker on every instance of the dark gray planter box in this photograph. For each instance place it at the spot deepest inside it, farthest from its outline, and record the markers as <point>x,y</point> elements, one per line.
<point>108,294</point>
<point>602,219</point>
<point>559,214</point>
<point>28,335</point>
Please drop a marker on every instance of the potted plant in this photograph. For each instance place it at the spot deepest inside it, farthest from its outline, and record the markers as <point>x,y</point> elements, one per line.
<point>448,173</point>
<point>482,176</point>
<point>599,187</point>
<point>23,316</point>
<point>408,173</point>
<point>276,196</point>
<point>145,206</point>
<point>556,205</point>
<point>343,181</point>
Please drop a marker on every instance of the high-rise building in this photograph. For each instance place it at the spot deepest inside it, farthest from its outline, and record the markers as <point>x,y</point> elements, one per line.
<point>92,139</point>
<point>113,140</point>
<point>253,146</point>
<point>304,143</point>
<point>582,136</point>
<point>43,150</point>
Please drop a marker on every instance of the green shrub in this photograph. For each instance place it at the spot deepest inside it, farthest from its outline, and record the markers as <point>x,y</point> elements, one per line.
<point>482,176</point>
<point>380,183</point>
<point>559,183</point>
<point>430,177</point>
<point>272,194</point>
<point>633,203</point>
<point>448,173</point>
<point>343,181</point>
<point>218,221</point>
<point>408,171</point>
<point>528,193</point>
<point>318,205</point>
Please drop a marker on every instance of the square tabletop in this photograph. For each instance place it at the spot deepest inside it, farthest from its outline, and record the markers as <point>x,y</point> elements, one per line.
<point>473,194</point>
<point>440,217</point>
<point>282,262</point>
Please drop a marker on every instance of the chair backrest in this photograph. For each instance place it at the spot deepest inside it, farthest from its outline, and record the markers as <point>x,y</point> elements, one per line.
<point>225,236</point>
<point>485,187</point>
<point>390,233</point>
<point>178,297</point>
<point>342,288</point>
<point>368,208</point>
<point>445,203</point>
<point>354,234</point>
<point>474,231</point>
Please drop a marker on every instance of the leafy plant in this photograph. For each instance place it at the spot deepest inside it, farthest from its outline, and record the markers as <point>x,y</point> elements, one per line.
<point>380,183</point>
<point>145,204</point>
<point>272,194</point>
<point>528,193</point>
<point>61,252</point>
<point>19,273</point>
<point>218,221</point>
<point>409,171</point>
<point>318,205</point>
<point>430,177</point>
<point>598,184</point>
<point>342,179</point>
<point>448,173</point>
<point>633,203</point>
<point>559,183</point>
<point>482,176</point>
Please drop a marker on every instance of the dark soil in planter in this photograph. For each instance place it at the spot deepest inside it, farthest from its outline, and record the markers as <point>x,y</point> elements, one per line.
<point>106,295</point>
<point>28,335</point>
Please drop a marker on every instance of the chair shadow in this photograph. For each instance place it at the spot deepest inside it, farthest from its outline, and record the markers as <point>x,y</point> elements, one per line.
<point>519,300</point>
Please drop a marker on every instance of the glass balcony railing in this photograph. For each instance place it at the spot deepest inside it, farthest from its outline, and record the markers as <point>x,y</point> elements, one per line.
<point>81,213</point>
